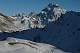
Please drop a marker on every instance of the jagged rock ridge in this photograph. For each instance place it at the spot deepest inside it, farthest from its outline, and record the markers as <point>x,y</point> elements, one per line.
<point>23,22</point>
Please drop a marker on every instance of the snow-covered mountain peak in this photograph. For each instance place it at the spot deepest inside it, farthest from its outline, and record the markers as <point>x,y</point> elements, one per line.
<point>33,20</point>
<point>52,12</point>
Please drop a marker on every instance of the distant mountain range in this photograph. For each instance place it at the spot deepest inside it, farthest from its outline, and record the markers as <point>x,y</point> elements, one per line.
<point>53,25</point>
<point>23,22</point>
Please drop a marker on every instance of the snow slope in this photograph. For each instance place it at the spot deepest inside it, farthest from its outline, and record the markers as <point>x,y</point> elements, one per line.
<point>22,48</point>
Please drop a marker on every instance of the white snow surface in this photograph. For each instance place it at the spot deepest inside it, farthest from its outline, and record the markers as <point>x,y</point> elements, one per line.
<point>20,48</point>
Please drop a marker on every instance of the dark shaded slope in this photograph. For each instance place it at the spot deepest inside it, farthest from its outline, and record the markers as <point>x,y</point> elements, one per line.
<point>64,33</point>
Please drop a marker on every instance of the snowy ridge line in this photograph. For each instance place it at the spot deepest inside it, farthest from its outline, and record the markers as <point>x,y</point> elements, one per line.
<point>22,21</point>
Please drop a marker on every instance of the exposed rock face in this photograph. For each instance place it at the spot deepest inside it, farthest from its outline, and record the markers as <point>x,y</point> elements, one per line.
<point>6,24</point>
<point>18,23</point>
<point>52,12</point>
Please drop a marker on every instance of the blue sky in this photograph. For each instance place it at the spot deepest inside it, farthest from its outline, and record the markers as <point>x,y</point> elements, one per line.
<point>11,7</point>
